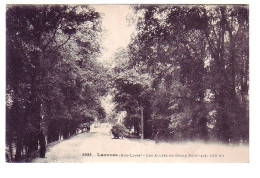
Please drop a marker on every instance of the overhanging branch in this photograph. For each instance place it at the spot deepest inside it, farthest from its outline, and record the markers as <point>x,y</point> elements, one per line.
<point>64,42</point>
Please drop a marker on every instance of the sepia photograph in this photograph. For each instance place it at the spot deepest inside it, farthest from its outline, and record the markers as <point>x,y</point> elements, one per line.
<point>134,83</point>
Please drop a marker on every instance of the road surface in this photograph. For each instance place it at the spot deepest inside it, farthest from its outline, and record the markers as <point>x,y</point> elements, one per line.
<point>99,146</point>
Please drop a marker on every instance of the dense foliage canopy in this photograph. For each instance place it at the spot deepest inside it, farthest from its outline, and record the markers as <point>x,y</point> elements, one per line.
<point>53,79</point>
<point>196,58</point>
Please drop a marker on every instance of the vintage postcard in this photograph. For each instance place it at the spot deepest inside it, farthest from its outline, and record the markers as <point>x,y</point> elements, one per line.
<point>127,83</point>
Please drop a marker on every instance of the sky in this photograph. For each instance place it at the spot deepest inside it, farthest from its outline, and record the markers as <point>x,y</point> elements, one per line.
<point>118,31</point>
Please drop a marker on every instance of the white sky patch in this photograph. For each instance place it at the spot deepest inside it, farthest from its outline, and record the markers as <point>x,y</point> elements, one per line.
<point>107,103</point>
<point>118,32</point>
<point>109,106</point>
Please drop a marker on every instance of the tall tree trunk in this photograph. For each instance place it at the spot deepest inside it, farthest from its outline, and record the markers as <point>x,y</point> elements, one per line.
<point>19,147</point>
<point>223,121</point>
<point>11,151</point>
<point>147,122</point>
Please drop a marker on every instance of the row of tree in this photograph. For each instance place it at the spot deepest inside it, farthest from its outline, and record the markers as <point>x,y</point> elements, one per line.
<point>53,79</point>
<point>187,67</point>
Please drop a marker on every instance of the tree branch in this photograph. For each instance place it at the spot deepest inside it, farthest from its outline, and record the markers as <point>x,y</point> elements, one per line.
<point>51,40</point>
<point>64,42</point>
<point>54,33</point>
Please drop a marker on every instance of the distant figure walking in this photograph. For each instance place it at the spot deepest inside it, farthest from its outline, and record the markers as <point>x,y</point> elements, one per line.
<point>42,144</point>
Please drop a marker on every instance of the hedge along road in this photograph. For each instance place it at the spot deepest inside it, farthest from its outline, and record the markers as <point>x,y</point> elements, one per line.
<point>98,145</point>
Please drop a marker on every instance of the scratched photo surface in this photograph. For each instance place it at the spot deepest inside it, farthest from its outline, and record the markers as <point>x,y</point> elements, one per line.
<point>127,83</point>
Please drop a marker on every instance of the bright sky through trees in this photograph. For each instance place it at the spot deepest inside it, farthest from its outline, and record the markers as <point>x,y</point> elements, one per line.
<point>118,31</point>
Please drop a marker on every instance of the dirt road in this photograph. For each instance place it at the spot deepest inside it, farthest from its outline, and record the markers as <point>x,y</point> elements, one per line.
<point>99,146</point>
